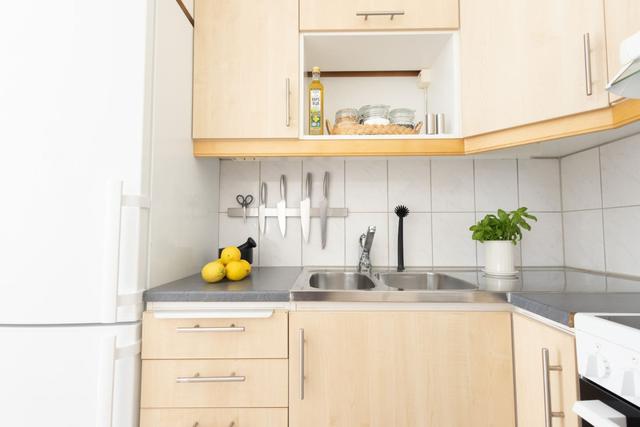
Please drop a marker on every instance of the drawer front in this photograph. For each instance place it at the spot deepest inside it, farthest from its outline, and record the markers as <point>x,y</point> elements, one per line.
<point>214,338</point>
<point>236,417</point>
<point>214,383</point>
<point>340,15</point>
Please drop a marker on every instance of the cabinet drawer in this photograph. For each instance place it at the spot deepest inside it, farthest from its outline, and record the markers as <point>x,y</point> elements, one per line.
<point>214,338</point>
<point>237,417</point>
<point>339,15</point>
<point>214,383</point>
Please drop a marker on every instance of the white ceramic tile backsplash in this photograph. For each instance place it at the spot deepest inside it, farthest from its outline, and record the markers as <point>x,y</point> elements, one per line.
<point>366,185</point>
<point>543,245</point>
<point>581,181</point>
<point>622,240</point>
<point>370,189</point>
<point>496,185</point>
<point>621,172</point>
<point>584,244</point>
<point>452,185</point>
<point>410,184</point>
<point>605,180</point>
<point>539,185</point>
<point>452,244</point>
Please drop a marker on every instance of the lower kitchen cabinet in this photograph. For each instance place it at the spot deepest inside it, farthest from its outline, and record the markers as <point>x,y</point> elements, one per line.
<point>530,339</point>
<point>400,369</point>
<point>236,417</point>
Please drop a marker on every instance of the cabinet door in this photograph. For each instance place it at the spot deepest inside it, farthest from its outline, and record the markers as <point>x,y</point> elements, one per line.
<point>524,61</point>
<point>381,369</point>
<point>245,58</point>
<point>337,15</point>
<point>622,21</point>
<point>529,338</point>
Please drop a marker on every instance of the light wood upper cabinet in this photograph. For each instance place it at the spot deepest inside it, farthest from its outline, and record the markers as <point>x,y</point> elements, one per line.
<point>622,20</point>
<point>400,369</point>
<point>530,337</point>
<point>524,61</point>
<point>245,57</point>
<point>340,15</point>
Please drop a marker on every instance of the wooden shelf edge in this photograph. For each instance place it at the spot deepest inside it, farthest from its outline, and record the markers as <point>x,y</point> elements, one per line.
<point>326,148</point>
<point>612,117</point>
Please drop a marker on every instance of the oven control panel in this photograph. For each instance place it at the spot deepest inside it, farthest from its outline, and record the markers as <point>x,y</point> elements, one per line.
<point>607,357</point>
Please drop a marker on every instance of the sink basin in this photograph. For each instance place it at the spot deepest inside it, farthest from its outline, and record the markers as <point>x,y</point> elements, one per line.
<point>340,280</point>
<point>423,282</point>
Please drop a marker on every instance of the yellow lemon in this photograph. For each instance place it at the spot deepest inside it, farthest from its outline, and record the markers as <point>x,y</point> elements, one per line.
<point>237,270</point>
<point>213,272</point>
<point>229,254</point>
<point>247,266</point>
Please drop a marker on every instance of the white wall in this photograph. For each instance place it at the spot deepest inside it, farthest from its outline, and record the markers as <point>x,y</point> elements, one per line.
<point>445,197</point>
<point>601,200</point>
<point>184,228</point>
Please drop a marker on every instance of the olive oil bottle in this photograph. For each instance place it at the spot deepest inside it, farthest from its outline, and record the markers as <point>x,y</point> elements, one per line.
<point>316,103</point>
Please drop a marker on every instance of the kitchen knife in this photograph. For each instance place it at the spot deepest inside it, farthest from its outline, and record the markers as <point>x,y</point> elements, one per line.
<point>305,208</point>
<point>262,209</point>
<point>324,207</point>
<point>282,206</point>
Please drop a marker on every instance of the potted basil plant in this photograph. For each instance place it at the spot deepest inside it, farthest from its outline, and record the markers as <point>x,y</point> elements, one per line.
<point>499,235</point>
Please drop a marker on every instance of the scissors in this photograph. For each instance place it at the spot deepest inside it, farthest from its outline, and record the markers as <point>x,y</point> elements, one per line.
<point>244,201</point>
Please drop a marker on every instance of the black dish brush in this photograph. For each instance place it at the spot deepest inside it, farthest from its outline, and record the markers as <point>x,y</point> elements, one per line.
<point>402,211</point>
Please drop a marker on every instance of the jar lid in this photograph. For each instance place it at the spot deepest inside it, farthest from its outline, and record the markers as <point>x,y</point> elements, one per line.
<point>315,70</point>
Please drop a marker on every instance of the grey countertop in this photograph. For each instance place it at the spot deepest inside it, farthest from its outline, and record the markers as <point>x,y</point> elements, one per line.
<point>555,293</point>
<point>561,307</point>
<point>266,284</point>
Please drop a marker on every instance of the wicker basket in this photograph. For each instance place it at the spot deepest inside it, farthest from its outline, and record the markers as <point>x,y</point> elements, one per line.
<point>358,129</point>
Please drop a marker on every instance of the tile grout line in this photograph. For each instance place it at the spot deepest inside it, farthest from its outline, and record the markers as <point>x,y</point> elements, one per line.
<point>430,163</point>
<point>518,205</point>
<point>475,211</point>
<point>344,203</point>
<point>604,245</point>
<point>388,216</point>
<point>564,245</point>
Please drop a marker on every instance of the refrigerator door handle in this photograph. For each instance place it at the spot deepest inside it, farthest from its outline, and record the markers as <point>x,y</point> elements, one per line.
<point>113,224</point>
<point>109,353</point>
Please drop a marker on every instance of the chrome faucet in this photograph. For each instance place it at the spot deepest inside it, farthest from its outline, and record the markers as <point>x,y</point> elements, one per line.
<point>366,240</point>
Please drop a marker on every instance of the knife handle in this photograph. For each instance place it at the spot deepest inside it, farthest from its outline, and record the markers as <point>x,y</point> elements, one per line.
<point>325,185</point>
<point>283,187</point>
<point>308,186</point>
<point>263,193</point>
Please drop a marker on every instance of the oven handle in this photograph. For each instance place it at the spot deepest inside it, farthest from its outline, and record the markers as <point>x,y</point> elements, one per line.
<point>598,414</point>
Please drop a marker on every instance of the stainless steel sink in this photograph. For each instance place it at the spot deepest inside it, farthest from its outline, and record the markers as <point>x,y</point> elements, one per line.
<point>340,280</point>
<point>427,281</point>
<point>344,285</point>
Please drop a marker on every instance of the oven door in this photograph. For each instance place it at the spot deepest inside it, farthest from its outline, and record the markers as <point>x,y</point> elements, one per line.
<point>599,407</point>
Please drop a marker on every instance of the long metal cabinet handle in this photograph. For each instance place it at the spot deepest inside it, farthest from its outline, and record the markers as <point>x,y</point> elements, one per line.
<point>301,364</point>
<point>390,14</point>
<point>546,368</point>
<point>214,379</point>
<point>198,328</point>
<point>586,42</point>
<point>287,117</point>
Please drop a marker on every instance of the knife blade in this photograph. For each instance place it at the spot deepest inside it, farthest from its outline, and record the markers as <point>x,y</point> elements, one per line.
<point>282,206</point>
<point>324,207</point>
<point>305,209</point>
<point>262,209</point>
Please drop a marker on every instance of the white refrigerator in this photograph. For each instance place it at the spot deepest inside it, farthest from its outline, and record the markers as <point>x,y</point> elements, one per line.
<point>79,122</point>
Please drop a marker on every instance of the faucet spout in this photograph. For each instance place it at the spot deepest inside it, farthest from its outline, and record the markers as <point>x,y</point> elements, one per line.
<point>366,241</point>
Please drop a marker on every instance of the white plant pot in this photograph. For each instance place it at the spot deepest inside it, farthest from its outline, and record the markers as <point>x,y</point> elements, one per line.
<point>499,257</point>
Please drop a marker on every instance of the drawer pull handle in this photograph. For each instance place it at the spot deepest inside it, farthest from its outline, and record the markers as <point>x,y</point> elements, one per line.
<point>301,364</point>
<point>233,378</point>
<point>546,368</point>
<point>390,14</point>
<point>198,328</point>
<point>586,44</point>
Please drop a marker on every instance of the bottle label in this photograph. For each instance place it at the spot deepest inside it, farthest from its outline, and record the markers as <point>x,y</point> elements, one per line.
<point>315,115</point>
